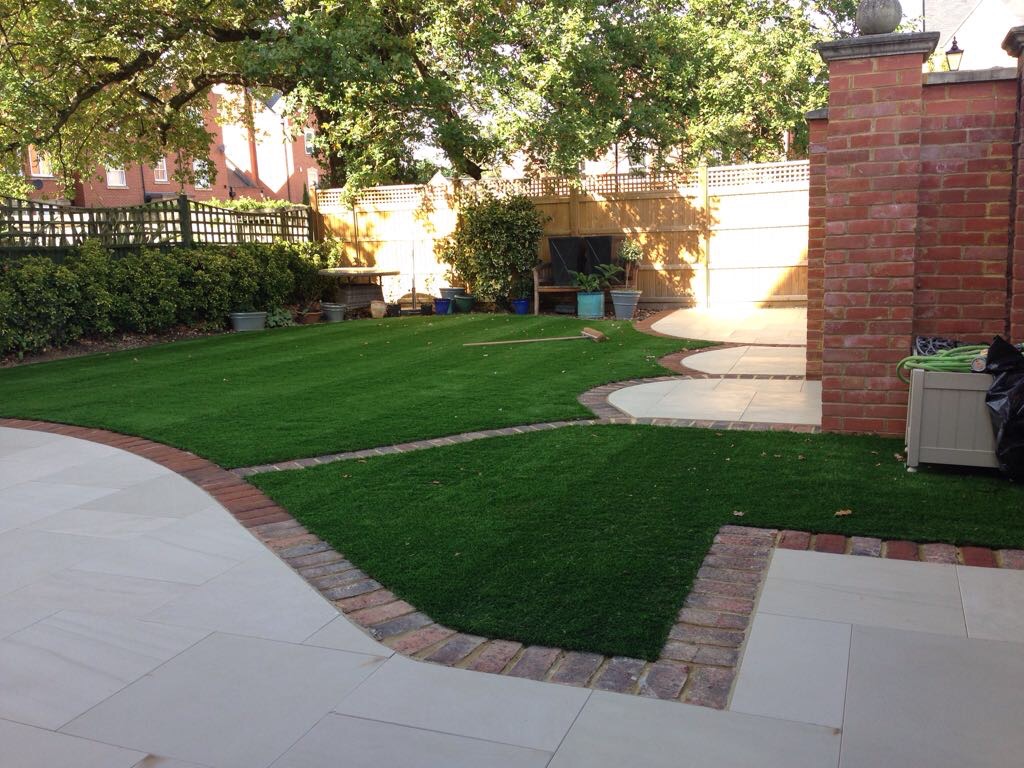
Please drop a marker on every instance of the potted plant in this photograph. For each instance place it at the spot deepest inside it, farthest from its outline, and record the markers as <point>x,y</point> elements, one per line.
<point>450,294</point>
<point>625,299</point>
<point>522,290</point>
<point>310,314</point>
<point>590,299</point>
<point>464,302</point>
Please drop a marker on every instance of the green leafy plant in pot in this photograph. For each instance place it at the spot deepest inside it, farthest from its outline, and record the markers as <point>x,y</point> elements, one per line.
<point>626,298</point>
<point>590,299</point>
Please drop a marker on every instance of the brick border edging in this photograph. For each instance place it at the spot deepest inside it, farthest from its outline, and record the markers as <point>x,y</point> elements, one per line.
<point>697,664</point>
<point>415,445</point>
<point>700,658</point>
<point>595,400</point>
<point>898,549</point>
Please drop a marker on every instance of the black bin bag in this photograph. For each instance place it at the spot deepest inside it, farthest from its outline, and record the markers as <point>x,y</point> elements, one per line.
<point>1005,401</point>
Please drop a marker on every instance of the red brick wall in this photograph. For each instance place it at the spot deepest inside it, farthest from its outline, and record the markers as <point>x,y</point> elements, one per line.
<point>816,247</point>
<point>1015,269</point>
<point>963,239</point>
<point>917,228</point>
<point>871,183</point>
<point>92,190</point>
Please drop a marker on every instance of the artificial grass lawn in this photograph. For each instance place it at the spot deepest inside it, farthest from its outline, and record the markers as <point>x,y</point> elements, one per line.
<point>588,538</point>
<point>245,399</point>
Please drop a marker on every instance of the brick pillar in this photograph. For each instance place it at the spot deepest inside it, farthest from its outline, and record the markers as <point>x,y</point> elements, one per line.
<point>1013,44</point>
<point>818,130</point>
<point>872,177</point>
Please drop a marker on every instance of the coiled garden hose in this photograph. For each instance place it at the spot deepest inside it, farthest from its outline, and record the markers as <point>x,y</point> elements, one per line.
<point>956,360</point>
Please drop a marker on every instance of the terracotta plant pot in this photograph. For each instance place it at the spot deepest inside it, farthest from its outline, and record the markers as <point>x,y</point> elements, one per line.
<point>310,316</point>
<point>378,309</point>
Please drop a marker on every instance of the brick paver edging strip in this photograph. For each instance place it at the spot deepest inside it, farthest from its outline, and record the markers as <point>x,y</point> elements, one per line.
<point>595,400</point>
<point>697,665</point>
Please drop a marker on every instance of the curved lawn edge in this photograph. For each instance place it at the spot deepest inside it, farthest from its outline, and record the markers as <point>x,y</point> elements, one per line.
<point>243,400</point>
<point>697,673</point>
<point>698,663</point>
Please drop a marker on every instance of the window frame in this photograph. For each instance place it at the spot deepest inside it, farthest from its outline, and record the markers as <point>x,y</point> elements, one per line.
<point>308,139</point>
<point>201,175</point>
<point>41,162</point>
<point>114,170</point>
<point>160,169</point>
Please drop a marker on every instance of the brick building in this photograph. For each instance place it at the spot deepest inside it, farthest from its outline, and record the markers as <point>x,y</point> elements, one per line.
<point>270,162</point>
<point>916,218</point>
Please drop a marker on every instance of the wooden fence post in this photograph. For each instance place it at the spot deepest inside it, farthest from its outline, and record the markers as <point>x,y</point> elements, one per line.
<point>185,219</point>
<point>312,213</point>
<point>704,201</point>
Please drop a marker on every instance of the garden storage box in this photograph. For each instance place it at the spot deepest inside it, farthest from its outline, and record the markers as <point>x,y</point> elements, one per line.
<point>947,420</point>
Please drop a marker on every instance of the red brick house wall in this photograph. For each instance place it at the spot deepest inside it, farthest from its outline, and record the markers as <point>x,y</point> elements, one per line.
<point>915,189</point>
<point>288,168</point>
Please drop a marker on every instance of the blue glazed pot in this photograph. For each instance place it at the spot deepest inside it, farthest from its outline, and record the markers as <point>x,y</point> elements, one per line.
<point>520,306</point>
<point>441,306</point>
<point>590,305</point>
<point>451,293</point>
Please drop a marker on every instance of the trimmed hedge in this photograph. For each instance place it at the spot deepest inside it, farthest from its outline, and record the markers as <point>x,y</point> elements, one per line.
<point>95,293</point>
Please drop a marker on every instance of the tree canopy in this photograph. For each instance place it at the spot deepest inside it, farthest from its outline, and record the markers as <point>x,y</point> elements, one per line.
<point>479,81</point>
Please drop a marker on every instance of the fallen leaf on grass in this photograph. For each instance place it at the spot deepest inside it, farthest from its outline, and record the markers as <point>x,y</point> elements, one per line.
<point>844,512</point>
<point>737,513</point>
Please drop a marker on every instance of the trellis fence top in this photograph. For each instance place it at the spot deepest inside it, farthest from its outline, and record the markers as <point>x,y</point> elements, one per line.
<point>27,225</point>
<point>794,173</point>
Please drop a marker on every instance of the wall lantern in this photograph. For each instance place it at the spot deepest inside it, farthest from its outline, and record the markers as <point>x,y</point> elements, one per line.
<point>953,56</point>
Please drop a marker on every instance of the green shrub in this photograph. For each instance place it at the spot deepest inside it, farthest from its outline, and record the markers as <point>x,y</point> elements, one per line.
<point>494,246</point>
<point>146,286</point>
<point>41,298</point>
<point>95,292</point>
<point>305,260</point>
<point>91,264</point>
<point>205,281</point>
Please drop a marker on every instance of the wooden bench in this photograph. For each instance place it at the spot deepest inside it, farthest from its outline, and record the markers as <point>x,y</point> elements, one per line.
<point>542,284</point>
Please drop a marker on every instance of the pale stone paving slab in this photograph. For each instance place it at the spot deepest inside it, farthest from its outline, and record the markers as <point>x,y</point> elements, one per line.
<point>721,603</point>
<point>357,743</point>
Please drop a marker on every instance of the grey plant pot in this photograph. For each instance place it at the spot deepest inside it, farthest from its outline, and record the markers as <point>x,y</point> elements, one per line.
<point>248,321</point>
<point>334,313</point>
<point>625,303</point>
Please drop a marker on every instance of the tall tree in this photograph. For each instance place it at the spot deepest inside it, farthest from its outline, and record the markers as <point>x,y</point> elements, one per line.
<point>558,81</point>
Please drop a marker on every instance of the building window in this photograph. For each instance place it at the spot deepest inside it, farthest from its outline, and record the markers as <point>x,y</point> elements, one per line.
<point>116,177</point>
<point>201,172</point>
<point>308,136</point>
<point>312,178</point>
<point>160,171</point>
<point>39,164</point>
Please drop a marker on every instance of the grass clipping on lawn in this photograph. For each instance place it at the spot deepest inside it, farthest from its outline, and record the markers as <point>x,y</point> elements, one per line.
<point>588,538</point>
<point>289,393</point>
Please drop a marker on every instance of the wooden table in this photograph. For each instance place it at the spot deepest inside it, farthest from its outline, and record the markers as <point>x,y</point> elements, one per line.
<point>358,286</point>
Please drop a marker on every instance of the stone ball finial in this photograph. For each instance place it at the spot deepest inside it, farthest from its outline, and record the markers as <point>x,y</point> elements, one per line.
<point>878,17</point>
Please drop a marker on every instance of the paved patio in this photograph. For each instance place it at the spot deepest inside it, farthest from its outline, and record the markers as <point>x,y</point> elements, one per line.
<point>744,400</point>
<point>141,625</point>
<point>738,324</point>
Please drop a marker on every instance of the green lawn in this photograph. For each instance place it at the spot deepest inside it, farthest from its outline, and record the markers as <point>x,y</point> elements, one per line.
<point>588,537</point>
<point>293,392</point>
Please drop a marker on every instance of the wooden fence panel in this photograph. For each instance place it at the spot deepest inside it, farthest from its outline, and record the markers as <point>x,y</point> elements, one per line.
<point>718,235</point>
